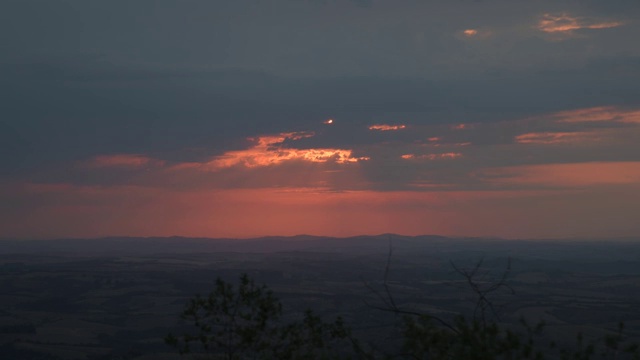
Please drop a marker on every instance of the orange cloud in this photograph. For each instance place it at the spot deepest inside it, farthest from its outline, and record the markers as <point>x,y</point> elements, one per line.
<point>270,150</point>
<point>474,33</point>
<point>470,32</point>
<point>434,143</point>
<point>123,160</point>
<point>555,137</point>
<point>443,156</point>
<point>567,175</point>
<point>602,113</point>
<point>384,127</point>
<point>564,23</point>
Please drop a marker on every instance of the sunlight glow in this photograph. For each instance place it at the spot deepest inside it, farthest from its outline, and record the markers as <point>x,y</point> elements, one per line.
<point>270,150</point>
<point>470,32</point>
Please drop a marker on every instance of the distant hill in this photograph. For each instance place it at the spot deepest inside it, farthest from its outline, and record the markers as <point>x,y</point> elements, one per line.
<point>595,250</point>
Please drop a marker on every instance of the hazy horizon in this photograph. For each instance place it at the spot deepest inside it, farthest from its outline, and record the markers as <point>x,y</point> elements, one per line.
<point>305,237</point>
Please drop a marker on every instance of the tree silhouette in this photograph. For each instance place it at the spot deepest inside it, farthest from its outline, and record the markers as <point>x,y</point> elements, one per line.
<point>244,322</point>
<point>229,320</point>
<point>481,337</point>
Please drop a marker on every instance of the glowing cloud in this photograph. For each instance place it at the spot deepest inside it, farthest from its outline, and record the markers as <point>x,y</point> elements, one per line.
<point>564,23</point>
<point>436,143</point>
<point>443,156</point>
<point>384,127</point>
<point>328,122</point>
<point>473,34</point>
<point>603,113</point>
<point>270,150</point>
<point>555,137</point>
<point>470,32</point>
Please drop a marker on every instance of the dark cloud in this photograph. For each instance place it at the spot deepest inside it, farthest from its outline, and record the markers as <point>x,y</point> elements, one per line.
<point>185,82</point>
<point>56,111</point>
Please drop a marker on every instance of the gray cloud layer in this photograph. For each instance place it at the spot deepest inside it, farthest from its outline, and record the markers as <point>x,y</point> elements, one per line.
<point>183,81</point>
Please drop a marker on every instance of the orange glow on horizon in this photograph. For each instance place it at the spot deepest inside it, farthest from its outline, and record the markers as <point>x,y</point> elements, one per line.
<point>567,175</point>
<point>66,210</point>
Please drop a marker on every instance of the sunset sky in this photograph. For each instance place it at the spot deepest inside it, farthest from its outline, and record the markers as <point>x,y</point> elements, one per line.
<point>243,118</point>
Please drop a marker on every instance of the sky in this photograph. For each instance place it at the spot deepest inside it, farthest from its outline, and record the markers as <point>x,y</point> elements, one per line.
<point>246,118</point>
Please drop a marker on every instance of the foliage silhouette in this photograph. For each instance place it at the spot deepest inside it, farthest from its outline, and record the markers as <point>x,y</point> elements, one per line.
<point>245,323</point>
<point>482,337</point>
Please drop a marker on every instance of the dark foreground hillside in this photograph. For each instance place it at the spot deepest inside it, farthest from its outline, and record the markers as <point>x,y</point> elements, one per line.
<point>117,298</point>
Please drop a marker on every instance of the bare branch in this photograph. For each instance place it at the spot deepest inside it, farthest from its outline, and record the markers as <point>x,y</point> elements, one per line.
<point>389,301</point>
<point>475,279</point>
<point>386,276</point>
